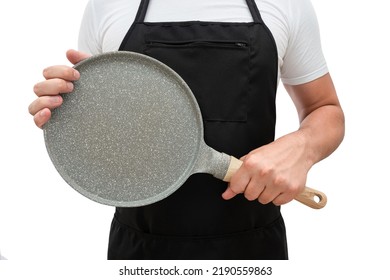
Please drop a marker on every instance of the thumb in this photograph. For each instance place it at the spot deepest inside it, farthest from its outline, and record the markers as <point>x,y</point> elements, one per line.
<point>229,193</point>
<point>76,56</point>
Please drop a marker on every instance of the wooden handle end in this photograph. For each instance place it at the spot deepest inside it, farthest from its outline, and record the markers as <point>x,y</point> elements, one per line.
<point>310,196</point>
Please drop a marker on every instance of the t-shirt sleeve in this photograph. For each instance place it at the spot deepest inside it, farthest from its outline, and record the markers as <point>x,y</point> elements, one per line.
<point>304,60</point>
<point>88,40</point>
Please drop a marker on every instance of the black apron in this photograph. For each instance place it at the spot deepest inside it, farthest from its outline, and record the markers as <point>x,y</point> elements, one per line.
<point>232,70</point>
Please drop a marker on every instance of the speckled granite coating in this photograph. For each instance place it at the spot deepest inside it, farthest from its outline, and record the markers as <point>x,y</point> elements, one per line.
<point>130,132</point>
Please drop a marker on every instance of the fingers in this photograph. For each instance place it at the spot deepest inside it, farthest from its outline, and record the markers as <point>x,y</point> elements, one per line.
<point>254,190</point>
<point>76,56</point>
<point>49,102</point>
<point>48,94</point>
<point>229,194</point>
<point>269,194</point>
<point>263,183</point>
<point>247,180</point>
<point>63,72</point>
<point>42,117</point>
<point>282,199</point>
<point>263,194</point>
<point>237,184</point>
<point>58,79</point>
<point>53,87</point>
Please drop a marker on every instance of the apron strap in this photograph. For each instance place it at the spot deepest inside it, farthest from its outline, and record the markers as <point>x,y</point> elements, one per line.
<point>143,7</point>
<point>254,11</point>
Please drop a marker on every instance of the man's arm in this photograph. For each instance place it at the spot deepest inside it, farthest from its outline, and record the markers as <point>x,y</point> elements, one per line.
<point>321,117</point>
<point>277,172</point>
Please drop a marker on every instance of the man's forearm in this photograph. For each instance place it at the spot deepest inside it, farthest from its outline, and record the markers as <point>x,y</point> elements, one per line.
<point>322,132</point>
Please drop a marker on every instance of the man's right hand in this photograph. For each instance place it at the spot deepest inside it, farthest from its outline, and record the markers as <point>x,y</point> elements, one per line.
<point>58,79</point>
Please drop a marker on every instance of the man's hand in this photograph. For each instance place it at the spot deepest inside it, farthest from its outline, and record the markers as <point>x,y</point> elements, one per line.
<point>58,79</point>
<point>275,173</point>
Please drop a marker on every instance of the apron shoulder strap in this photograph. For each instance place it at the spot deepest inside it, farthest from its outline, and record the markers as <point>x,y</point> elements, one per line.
<point>254,11</point>
<point>143,7</point>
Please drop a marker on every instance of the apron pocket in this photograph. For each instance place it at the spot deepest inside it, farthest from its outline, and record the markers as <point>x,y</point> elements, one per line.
<point>216,71</point>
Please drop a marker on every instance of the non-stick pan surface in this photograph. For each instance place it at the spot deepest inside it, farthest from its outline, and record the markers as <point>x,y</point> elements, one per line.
<point>131,133</point>
<point>128,134</point>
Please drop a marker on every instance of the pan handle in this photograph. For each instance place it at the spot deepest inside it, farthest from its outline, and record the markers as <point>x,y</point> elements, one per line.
<point>310,197</point>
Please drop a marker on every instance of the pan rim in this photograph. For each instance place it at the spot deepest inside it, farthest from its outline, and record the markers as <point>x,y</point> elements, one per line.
<point>191,163</point>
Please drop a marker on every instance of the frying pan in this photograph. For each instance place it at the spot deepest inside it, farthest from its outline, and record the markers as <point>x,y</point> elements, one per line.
<point>131,133</point>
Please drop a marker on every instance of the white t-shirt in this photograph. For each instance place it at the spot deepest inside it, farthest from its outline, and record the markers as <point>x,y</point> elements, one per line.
<point>293,24</point>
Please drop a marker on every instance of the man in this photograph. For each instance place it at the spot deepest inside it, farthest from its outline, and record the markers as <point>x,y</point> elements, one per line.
<point>232,54</point>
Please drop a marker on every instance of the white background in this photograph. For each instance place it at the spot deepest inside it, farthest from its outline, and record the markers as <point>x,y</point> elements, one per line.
<point>43,221</point>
